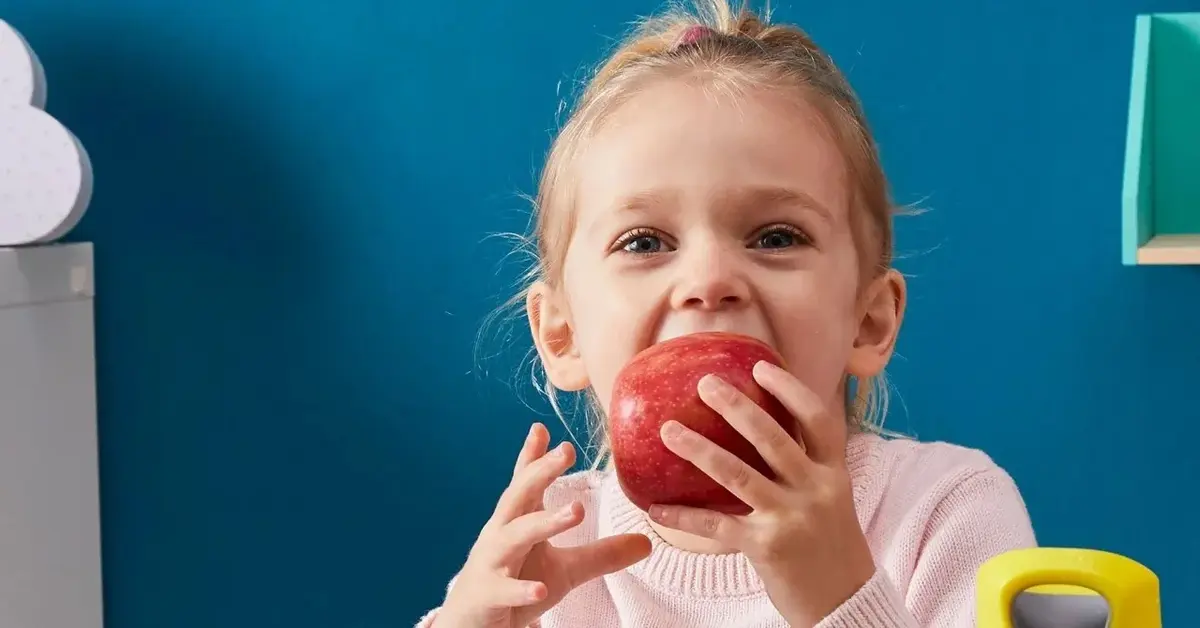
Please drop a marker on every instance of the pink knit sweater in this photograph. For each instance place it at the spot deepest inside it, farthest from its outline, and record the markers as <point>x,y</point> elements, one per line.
<point>932,513</point>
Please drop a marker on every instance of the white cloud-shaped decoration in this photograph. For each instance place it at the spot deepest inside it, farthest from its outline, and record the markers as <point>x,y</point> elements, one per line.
<point>45,174</point>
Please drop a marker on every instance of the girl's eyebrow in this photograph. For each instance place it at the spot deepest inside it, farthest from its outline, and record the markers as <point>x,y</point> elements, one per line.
<point>750,196</point>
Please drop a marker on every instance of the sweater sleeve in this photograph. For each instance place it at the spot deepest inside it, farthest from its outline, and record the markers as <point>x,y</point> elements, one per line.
<point>983,516</point>
<point>426,621</point>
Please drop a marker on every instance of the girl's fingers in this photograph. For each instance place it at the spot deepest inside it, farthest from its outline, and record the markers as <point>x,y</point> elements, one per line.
<point>774,443</point>
<point>530,529</point>
<point>608,555</point>
<point>726,469</point>
<point>533,448</point>
<point>824,437</point>
<point>709,524</point>
<point>512,593</point>
<point>531,483</point>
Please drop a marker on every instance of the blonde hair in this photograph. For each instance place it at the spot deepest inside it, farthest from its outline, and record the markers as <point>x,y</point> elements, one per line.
<point>737,51</point>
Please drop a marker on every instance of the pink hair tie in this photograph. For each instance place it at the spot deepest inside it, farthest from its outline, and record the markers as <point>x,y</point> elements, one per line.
<point>693,34</point>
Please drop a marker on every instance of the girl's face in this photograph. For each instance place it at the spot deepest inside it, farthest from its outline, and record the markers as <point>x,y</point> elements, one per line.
<point>698,211</point>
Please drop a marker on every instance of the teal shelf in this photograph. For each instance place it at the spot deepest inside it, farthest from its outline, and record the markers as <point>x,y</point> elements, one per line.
<point>1160,203</point>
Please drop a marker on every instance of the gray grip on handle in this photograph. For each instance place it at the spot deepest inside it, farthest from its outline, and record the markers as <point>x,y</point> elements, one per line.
<point>1041,610</point>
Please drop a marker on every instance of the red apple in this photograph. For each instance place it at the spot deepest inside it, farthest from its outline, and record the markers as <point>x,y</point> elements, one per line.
<point>658,385</point>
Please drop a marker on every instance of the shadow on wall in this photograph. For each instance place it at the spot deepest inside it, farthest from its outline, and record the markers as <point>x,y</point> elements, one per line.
<point>242,478</point>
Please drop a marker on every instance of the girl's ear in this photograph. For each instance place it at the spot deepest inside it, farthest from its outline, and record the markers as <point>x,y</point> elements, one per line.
<point>882,311</point>
<point>550,323</point>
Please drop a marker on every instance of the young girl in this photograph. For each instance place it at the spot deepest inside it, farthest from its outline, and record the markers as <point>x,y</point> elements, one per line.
<point>718,174</point>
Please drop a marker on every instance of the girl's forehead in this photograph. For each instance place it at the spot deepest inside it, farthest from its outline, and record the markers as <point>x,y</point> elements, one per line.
<point>676,142</point>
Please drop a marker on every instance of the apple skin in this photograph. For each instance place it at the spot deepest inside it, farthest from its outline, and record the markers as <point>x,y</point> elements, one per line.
<point>658,385</point>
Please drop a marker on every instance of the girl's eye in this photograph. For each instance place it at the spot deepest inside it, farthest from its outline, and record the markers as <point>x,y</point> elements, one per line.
<point>641,242</point>
<point>644,244</point>
<point>780,237</point>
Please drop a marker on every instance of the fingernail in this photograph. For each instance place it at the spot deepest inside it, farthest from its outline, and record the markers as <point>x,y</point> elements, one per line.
<point>671,429</point>
<point>709,384</point>
<point>656,512</point>
<point>561,450</point>
<point>567,513</point>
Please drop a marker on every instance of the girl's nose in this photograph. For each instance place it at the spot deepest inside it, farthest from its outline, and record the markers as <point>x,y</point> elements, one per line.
<point>709,279</point>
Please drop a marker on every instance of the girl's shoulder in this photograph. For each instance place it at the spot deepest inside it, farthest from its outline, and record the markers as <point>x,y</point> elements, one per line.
<point>903,479</point>
<point>903,456</point>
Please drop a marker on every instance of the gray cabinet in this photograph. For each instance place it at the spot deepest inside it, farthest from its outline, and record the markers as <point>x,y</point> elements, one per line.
<point>49,490</point>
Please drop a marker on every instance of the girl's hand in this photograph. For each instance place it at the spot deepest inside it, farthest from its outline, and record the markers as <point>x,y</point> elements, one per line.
<point>513,574</point>
<point>803,536</point>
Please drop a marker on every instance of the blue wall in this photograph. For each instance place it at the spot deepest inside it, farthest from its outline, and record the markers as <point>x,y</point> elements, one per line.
<point>289,206</point>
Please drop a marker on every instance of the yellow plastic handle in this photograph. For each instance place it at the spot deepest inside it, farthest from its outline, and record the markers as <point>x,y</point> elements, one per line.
<point>1130,589</point>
